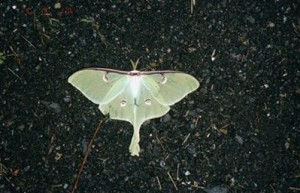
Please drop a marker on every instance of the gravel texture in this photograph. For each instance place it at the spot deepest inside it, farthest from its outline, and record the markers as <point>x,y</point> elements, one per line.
<point>239,132</point>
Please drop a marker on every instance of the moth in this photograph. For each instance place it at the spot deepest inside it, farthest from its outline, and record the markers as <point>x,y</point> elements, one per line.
<point>133,96</point>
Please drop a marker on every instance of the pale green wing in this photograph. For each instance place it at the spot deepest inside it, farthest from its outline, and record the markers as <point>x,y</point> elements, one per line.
<point>135,110</point>
<point>114,91</point>
<point>170,87</point>
<point>98,85</point>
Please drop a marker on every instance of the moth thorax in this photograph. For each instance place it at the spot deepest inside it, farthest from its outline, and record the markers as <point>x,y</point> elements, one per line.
<point>135,83</point>
<point>123,103</point>
<point>148,102</point>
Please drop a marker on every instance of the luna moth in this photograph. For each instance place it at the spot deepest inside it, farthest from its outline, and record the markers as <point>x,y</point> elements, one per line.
<point>133,96</point>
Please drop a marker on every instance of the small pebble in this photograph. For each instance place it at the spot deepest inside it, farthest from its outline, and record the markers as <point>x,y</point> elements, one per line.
<point>166,118</point>
<point>67,99</point>
<point>216,189</point>
<point>162,163</point>
<point>239,139</point>
<point>187,173</point>
<point>65,186</point>
<point>52,105</point>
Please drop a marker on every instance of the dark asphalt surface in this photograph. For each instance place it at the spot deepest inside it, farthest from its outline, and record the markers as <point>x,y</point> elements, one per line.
<point>239,132</point>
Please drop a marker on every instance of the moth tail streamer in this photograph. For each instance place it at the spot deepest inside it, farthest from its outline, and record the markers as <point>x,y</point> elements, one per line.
<point>134,147</point>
